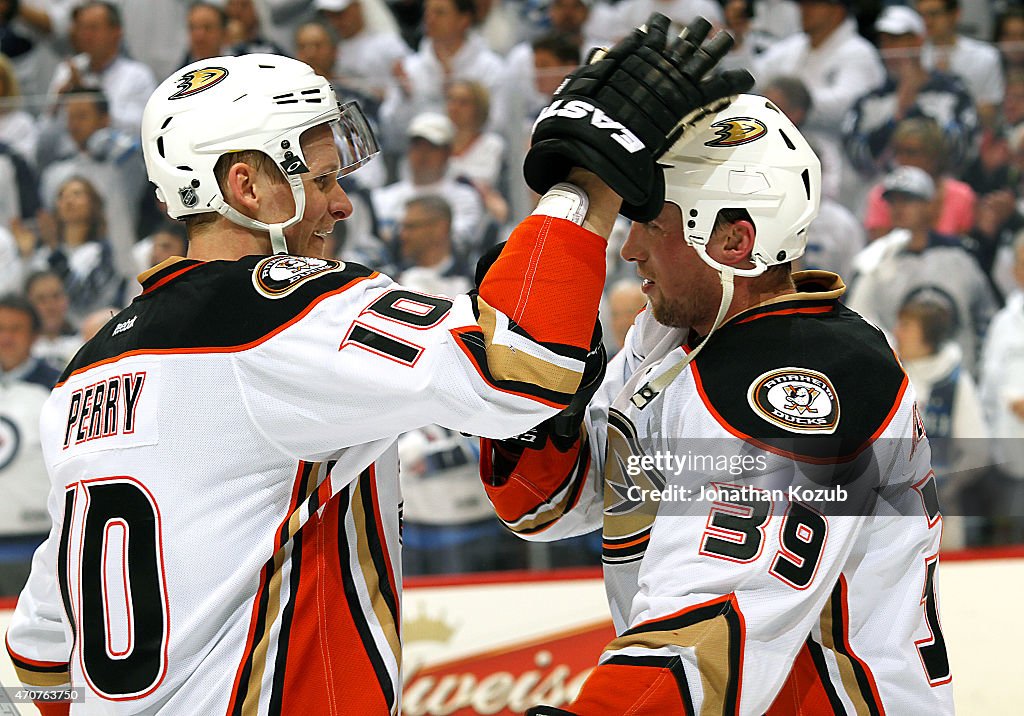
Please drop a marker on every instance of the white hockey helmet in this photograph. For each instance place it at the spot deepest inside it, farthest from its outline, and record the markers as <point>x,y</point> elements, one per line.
<point>228,104</point>
<point>746,156</point>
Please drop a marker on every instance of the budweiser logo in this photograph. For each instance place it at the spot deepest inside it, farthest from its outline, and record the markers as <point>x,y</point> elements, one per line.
<point>507,681</point>
<point>496,692</point>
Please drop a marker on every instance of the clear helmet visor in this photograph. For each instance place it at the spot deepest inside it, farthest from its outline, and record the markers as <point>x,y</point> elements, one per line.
<point>354,138</point>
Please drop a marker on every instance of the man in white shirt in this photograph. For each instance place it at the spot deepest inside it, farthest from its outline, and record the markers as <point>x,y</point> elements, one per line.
<point>836,63</point>
<point>126,83</point>
<point>365,56</point>
<point>449,50</point>
<point>975,62</point>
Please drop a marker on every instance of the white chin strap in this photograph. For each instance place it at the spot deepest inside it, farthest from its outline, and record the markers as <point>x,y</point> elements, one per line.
<point>652,389</point>
<point>277,241</point>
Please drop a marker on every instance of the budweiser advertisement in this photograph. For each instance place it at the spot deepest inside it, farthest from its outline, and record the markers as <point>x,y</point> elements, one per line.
<point>500,647</point>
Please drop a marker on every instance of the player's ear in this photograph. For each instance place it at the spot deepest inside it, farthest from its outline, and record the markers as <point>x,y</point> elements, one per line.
<point>242,190</point>
<point>737,242</point>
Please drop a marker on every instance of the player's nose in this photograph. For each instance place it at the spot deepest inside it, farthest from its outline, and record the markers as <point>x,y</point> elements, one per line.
<point>338,204</point>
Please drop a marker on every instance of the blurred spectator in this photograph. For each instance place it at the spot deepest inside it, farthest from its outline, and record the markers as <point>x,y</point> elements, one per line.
<point>498,24</point>
<point>284,17</point>
<point>20,198</point>
<point>33,35</point>
<point>448,525</point>
<point>836,63</point>
<point>1009,37</point>
<point>1002,391</point>
<point>430,147</point>
<point>568,18</point>
<point>365,56</point>
<point>126,83</point>
<point>790,94</point>
<point>476,153</point>
<point>83,256</point>
<point>919,142</point>
<point>834,238</point>
<point>1013,101</point>
<point>19,327</point>
<point>207,32</point>
<point>25,384</point>
<point>909,91</point>
<point>245,29</point>
<point>750,42</point>
<point>94,321</point>
<point>111,159</point>
<point>610,23</point>
<point>532,73</point>
<point>449,50</point>
<point>169,239</point>
<point>625,300</point>
<point>18,129</point>
<point>317,45</point>
<point>427,260</point>
<point>912,257</point>
<point>776,18</point>
<point>13,260</point>
<point>57,341</point>
<point>144,20</point>
<point>976,62</point>
<point>947,398</point>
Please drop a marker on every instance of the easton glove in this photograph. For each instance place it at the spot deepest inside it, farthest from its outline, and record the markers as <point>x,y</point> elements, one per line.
<point>619,114</point>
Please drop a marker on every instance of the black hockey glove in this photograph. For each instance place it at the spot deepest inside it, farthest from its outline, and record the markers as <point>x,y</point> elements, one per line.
<point>619,114</point>
<point>549,711</point>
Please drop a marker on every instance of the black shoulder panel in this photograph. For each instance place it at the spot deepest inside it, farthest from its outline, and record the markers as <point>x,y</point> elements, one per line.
<point>192,305</point>
<point>809,379</point>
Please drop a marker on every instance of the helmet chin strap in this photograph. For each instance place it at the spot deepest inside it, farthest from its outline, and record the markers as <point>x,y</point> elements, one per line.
<point>652,389</point>
<point>278,244</point>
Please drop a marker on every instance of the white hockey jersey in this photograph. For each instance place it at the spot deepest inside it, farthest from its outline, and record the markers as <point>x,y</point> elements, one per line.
<point>225,498</point>
<point>770,522</point>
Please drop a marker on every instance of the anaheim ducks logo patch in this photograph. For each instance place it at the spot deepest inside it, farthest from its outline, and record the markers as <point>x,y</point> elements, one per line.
<point>736,131</point>
<point>278,276</point>
<point>196,81</point>
<point>796,399</point>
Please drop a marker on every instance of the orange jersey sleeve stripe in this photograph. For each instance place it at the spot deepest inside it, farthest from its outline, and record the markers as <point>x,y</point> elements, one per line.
<point>548,279</point>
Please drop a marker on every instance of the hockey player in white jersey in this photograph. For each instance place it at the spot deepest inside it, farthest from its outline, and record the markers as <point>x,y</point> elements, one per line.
<point>754,458</point>
<point>225,498</point>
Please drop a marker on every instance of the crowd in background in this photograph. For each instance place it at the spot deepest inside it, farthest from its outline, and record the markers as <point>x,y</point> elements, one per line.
<point>916,110</point>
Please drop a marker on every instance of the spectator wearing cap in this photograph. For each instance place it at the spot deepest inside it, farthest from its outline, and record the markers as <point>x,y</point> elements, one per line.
<point>920,142</point>
<point>910,90</point>
<point>913,256</point>
<point>449,50</point>
<point>832,59</point>
<point>976,62</point>
<point>430,138</point>
<point>365,56</point>
<point>947,401</point>
<point>25,384</point>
